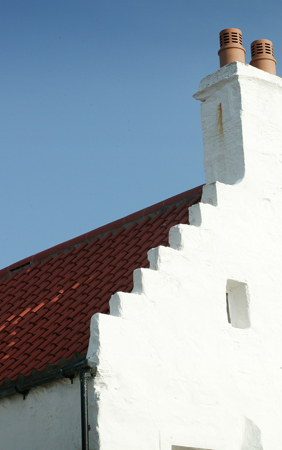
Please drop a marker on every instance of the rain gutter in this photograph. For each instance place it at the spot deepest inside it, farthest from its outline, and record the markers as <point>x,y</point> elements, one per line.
<point>80,367</point>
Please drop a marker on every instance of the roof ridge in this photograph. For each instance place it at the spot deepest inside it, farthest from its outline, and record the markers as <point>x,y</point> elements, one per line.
<point>99,232</point>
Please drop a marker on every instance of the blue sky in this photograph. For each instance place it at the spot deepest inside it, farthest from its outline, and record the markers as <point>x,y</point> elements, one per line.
<point>97,115</point>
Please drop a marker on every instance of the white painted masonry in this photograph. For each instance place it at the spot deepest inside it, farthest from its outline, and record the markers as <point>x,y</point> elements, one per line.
<point>171,370</point>
<point>48,418</point>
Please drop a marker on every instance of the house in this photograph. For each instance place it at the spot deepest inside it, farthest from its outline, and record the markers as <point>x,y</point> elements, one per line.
<point>189,356</point>
<point>47,302</point>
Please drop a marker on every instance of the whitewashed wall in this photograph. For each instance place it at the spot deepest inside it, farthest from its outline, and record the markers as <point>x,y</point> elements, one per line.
<point>48,418</point>
<point>172,371</point>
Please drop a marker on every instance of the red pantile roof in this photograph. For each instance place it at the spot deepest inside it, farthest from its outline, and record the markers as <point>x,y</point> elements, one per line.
<point>47,301</point>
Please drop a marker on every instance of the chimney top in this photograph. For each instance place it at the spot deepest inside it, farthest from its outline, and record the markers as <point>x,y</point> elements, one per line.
<point>231,46</point>
<point>262,56</point>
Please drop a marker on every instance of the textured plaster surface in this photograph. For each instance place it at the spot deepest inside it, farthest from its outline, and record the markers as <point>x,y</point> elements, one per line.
<point>48,418</point>
<point>171,369</point>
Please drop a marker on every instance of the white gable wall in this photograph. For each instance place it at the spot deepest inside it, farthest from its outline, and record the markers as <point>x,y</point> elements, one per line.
<point>172,370</point>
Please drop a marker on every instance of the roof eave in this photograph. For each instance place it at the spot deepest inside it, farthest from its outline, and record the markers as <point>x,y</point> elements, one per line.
<point>61,373</point>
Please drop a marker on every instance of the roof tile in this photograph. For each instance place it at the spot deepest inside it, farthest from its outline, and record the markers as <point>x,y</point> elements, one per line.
<point>46,308</point>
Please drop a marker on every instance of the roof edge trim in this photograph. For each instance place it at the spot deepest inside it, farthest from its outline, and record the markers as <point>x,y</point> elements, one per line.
<point>68,371</point>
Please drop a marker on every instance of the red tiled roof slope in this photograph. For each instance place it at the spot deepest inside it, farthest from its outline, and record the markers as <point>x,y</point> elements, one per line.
<point>47,301</point>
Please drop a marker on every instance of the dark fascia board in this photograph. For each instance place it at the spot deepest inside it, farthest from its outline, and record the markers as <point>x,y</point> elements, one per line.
<point>68,371</point>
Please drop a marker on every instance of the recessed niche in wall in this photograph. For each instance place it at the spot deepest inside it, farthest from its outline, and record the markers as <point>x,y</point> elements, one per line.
<point>237,304</point>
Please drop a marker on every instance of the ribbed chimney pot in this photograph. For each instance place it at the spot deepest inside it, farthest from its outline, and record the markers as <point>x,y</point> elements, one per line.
<point>262,56</point>
<point>231,46</point>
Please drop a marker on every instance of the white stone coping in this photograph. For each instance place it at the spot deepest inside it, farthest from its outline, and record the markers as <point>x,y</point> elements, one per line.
<point>235,69</point>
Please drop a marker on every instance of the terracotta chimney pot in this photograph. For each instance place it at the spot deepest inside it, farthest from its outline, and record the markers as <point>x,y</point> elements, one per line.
<point>262,55</point>
<point>231,46</point>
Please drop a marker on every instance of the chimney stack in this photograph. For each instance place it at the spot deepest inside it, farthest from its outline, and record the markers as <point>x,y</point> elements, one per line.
<point>262,56</point>
<point>241,116</point>
<point>231,46</point>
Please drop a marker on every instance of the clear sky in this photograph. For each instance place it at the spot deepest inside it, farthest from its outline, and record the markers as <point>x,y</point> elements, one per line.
<point>97,115</point>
